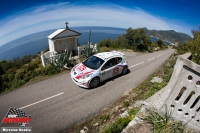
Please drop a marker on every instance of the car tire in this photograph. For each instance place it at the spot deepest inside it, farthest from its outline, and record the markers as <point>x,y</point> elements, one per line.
<point>124,71</point>
<point>94,82</point>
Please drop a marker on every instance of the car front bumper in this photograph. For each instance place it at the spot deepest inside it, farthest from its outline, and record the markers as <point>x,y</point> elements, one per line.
<point>81,82</point>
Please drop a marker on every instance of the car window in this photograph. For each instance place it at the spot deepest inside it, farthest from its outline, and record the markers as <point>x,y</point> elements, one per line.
<point>119,59</point>
<point>93,62</point>
<point>108,64</point>
<point>114,60</point>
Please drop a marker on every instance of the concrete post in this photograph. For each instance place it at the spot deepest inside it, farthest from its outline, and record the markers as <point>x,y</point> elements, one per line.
<point>95,47</point>
<point>43,60</point>
<point>79,52</point>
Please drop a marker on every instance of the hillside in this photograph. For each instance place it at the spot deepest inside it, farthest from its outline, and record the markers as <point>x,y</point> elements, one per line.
<point>169,35</point>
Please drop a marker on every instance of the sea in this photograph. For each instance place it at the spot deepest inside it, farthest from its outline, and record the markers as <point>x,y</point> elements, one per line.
<point>37,42</point>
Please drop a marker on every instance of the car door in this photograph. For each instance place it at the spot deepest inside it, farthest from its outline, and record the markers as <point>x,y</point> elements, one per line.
<point>119,66</point>
<point>116,69</point>
<point>107,70</point>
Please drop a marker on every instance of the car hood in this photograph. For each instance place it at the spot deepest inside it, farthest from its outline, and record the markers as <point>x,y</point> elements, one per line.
<point>81,70</point>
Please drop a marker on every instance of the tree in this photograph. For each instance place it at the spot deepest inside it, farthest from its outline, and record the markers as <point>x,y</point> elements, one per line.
<point>194,46</point>
<point>182,47</point>
<point>121,42</point>
<point>138,38</point>
<point>105,43</point>
<point>130,36</point>
<point>160,43</point>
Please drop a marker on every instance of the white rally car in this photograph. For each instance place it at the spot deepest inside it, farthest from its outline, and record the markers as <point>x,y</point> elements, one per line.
<point>98,68</point>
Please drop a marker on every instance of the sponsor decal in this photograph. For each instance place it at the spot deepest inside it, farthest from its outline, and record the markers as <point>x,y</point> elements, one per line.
<point>83,74</point>
<point>16,117</point>
<point>115,70</point>
<point>80,73</point>
<point>82,68</point>
<point>121,66</point>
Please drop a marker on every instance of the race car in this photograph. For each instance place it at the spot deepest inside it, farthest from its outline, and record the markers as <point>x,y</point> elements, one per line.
<point>98,68</point>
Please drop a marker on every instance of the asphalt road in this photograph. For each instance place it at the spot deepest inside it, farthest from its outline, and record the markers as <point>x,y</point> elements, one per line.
<point>57,103</point>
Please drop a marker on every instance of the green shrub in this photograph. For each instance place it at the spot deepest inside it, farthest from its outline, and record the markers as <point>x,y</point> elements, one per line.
<point>194,46</point>
<point>87,51</point>
<point>135,39</point>
<point>104,49</point>
<point>104,118</point>
<point>167,77</point>
<point>126,104</point>
<point>64,59</point>
<point>19,74</point>
<point>153,89</point>
<point>51,70</point>
<point>133,111</point>
<point>105,43</point>
<point>164,123</point>
<point>118,126</point>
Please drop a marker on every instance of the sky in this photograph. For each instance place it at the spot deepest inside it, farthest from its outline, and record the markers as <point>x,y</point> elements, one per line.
<point>19,18</point>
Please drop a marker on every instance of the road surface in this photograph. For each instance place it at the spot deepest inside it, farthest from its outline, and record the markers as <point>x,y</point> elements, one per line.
<point>57,103</point>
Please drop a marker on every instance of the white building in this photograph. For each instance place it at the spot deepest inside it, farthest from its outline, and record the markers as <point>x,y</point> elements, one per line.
<point>60,40</point>
<point>63,39</point>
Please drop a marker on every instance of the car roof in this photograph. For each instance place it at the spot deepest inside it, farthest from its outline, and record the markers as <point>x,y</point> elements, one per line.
<point>108,55</point>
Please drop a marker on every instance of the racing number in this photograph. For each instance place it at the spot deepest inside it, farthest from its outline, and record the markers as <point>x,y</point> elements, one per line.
<point>82,67</point>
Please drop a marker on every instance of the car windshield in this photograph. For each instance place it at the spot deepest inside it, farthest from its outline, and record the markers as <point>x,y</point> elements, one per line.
<point>93,62</point>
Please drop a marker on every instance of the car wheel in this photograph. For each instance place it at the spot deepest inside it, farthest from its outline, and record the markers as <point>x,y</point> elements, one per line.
<point>94,82</point>
<point>124,71</point>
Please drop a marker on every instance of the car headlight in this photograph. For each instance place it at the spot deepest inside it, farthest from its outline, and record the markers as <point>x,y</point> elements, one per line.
<point>86,76</point>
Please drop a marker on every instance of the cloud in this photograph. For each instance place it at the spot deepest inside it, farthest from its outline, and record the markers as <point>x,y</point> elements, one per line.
<point>54,16</point>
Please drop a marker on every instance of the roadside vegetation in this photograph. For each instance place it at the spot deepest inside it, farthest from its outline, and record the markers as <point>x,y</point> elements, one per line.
<point>193,46</point>
<point>164,123</point>
<point>15,73</point>
<point>134,39</point>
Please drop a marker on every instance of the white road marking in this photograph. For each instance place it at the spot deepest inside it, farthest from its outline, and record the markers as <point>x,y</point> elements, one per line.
<point>151,59</point>
<point>159,55</point>
<point>136,64</point>
<point>42,100</point>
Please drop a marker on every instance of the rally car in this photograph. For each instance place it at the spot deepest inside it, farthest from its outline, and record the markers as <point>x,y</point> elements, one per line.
<point>98,68</point>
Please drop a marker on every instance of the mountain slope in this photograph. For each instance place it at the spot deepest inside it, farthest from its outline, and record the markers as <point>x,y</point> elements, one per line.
<point>169,35</point>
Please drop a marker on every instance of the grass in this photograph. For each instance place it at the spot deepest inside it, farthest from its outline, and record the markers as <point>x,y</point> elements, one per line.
<point>126,104</point>
<point>118,126</point>
<point>104,118</point>
<point>164,123</point>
